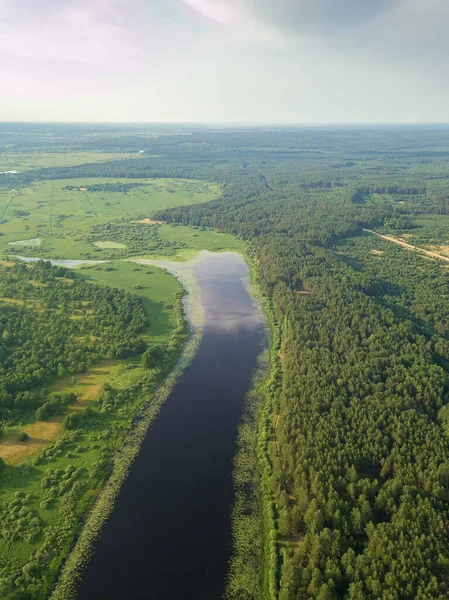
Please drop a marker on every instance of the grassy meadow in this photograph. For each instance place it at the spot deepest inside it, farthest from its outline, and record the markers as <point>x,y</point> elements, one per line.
<point>30,161</point>
<point>60,219</point>
<point>197,239</point>
<point>154,286</point>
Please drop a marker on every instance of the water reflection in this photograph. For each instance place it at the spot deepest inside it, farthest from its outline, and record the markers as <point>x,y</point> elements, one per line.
<point>217,285</point>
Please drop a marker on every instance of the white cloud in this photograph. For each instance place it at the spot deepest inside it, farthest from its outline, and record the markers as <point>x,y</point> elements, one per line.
<point>217,11</point>
<point>225,60</point>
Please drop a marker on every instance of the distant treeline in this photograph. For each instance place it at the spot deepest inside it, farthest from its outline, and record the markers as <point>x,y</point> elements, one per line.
<point>104,187</point>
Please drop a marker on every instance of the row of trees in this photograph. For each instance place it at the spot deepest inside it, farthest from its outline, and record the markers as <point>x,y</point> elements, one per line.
<point>109,187</point>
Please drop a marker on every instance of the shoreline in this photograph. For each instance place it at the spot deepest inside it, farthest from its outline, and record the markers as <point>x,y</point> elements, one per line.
<point>254,572</point>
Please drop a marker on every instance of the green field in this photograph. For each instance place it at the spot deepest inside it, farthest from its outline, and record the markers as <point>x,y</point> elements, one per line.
<point>199,239</point>
<point>154,286</point>
<point>12,161</point>
<point>48,220</point>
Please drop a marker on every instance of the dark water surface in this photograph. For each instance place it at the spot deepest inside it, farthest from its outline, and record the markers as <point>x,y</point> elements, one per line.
<point>169,534</point>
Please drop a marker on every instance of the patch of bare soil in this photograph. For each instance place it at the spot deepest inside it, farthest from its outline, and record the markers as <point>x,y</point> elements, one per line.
<point>151,222</point>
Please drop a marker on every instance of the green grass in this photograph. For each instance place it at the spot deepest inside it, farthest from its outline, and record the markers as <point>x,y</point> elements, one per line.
<point>31,161</point>
<point>199,239</point>
<point>63,218</point>
<point>157,290</point>
<point>21,551</point>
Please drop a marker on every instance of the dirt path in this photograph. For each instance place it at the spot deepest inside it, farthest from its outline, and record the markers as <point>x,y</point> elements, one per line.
<point>391,238</point>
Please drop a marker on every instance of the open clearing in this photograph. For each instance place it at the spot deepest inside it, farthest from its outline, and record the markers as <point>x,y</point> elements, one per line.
<point>30,243</point>
<point>442,249</point>
<point>13,451</point>
<point>109,245</point>
<point>400,242</point>
<point>42,433</point>
<point>151,222</point>
<point>155,287</point>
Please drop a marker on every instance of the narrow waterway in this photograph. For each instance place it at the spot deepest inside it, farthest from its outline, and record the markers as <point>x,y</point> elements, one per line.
<point>169,535</point>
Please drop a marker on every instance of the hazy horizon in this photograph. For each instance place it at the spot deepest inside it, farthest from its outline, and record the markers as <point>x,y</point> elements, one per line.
<point>236,124</point>
<point>245,62</point>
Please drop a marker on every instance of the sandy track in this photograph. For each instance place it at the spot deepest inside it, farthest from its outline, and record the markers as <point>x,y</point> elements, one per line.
<point>391,238</point>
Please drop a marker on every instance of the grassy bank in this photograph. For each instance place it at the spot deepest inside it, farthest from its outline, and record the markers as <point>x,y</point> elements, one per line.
<point>255,562</point>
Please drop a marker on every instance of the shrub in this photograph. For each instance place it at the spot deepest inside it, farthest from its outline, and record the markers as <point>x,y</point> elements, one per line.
<point>152,356</point>
<point>80,419</point>
<point>55,405</point>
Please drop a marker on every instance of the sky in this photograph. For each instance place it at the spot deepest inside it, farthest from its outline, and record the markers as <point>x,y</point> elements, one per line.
<point>225,61</point>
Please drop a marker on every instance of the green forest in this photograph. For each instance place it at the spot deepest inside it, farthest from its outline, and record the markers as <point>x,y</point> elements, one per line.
<point>348,443</point>
<point>357,445</point>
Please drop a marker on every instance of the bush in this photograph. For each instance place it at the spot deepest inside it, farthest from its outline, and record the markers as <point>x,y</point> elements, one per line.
<point>23,437</point>
<point>55,405</point>
<point>152,356</point>
<point>80,419</point>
